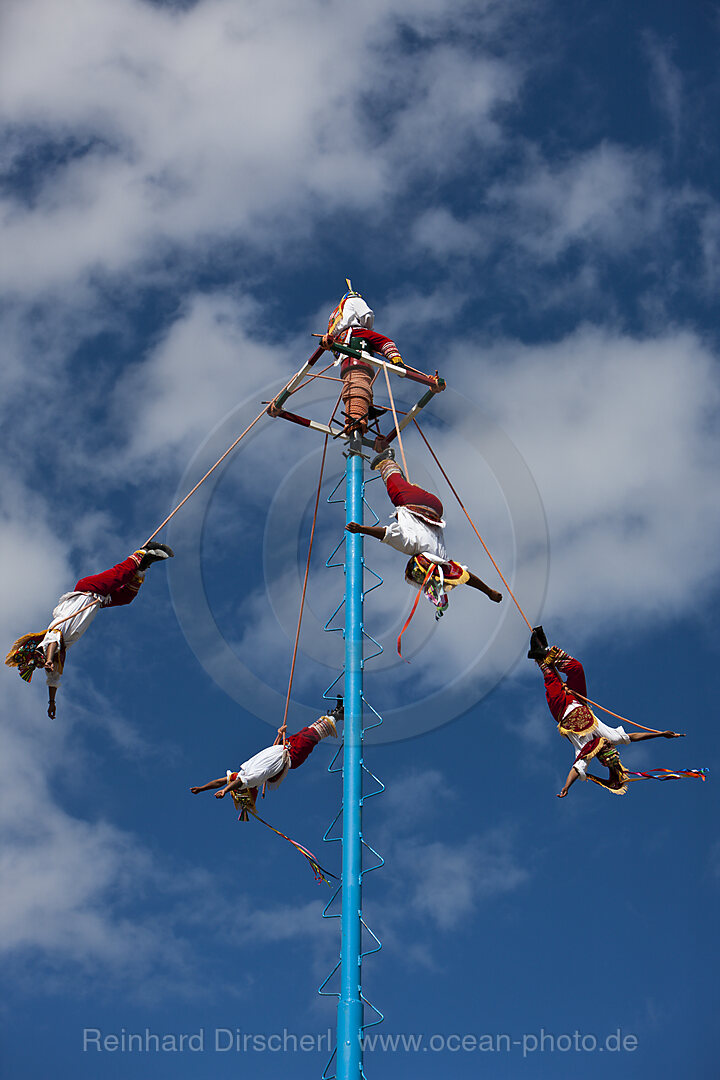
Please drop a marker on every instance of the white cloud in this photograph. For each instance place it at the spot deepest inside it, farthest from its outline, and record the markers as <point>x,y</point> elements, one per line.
<point>607,197</point>
<point>620,434</point>
<point>605,201</point>
<point>448,882</point>
<point>666,89</point>
<point>207,360</point>
<point>166,127</point>
<point>442,882</point>
<point>88,898</point>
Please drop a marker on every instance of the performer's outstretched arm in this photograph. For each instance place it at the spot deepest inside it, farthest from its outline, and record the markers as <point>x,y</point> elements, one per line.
<point>640,736</point>
<point>376,531</point>
<point>230,785</point>
<point>220,782</point>
<point>571,778</point>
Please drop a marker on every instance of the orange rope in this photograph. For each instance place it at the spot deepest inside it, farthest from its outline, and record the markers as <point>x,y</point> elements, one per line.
<point>283,727</point>
<point>414,609</point>
<point>69,617</point>
<point>616,715</point>
<point>397,425</point>
<point>219,460</point>
<point>330,378</point>
<point>319,375</point>
<point>624,719</point>
<point>487,552</point>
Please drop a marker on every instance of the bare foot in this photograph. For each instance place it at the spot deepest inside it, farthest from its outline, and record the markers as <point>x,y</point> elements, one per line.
<point>673,735</point>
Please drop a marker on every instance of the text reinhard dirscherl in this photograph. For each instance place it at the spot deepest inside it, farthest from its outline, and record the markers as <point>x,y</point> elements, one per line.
<point>222,1040</point>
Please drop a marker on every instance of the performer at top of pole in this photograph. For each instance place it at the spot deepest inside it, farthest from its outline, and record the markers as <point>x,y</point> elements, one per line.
<point>576,720</point>
<point>75,611</point>
<point>352,318</point>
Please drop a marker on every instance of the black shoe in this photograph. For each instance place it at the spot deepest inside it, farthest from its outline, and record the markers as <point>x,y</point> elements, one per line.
<point>339,711</point>
<point>154,552</point>
<point>538,645</point>
<point>384,455</point>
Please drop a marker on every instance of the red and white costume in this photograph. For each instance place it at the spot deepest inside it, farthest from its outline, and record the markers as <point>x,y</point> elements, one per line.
<point>574,717</point>
<point>418,525</point>
<point>353,318</point>
<point>417,531</point>
<point>272,764</point>
<point>76,610</point>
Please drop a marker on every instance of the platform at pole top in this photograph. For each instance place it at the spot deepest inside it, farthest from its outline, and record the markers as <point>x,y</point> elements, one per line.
<point>373,439</point>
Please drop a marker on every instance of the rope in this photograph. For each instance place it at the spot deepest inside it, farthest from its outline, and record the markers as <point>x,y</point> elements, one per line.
<point>282,730</point>
<point>218,462</point>
<point>330,378</point>
<point>69,617</point>
<point>487,552</point>
<point>319,375</point>
<point>617,716</point>
<point>397,425</point>
<point>414,609</point>
<point>589,701</point>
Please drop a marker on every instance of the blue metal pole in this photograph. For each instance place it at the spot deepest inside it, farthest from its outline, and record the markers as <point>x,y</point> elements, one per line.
<point>350,1006</point>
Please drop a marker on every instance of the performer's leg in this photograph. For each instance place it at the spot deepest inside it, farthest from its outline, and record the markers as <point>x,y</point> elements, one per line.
<point>109,580</point>
<point>554,691</point>
<point>301,745</point>
<point>402,493</point>
<point>574,673</point>
<point>303,742</point>
<point>378,343</point>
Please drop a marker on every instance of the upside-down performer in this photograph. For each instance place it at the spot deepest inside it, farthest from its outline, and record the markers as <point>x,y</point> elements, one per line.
<point>75,611</point>
<point>270,767</point>
<point>417,531</point>
<point>590,737</point>
<point>352,318</point>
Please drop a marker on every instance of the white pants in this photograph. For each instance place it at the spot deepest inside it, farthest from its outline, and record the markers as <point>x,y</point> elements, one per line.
<point>610,734</point>
<point>269,766</point>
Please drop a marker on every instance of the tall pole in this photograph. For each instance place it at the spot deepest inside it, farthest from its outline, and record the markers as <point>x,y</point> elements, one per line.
<point>350,1006</point>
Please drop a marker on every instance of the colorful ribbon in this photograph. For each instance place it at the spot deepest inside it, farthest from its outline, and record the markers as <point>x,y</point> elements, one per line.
<point>669,774</point>
<point>321,874</point>
<point>414,609</point>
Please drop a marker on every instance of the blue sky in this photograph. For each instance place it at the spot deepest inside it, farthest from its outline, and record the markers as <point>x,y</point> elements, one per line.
<point>527,196</point>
